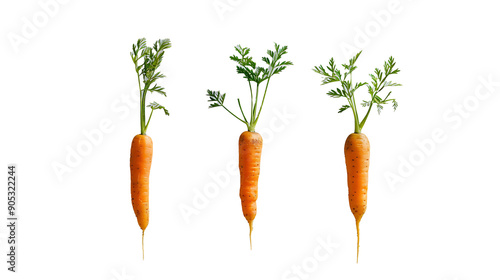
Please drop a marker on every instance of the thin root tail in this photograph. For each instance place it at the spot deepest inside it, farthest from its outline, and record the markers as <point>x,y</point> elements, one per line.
<point>357,231</point>
<point>250,223</point>
<point>142,244</point>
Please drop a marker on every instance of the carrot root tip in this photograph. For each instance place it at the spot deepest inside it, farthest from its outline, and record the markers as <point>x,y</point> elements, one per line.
<point>142,244</point>
<point>357,231</point>
<point>250,223</point>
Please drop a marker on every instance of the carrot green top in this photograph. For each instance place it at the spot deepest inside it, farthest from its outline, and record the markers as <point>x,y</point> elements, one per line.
<point>252,73</point>
<point>147,69</point>
<point>378,83</point>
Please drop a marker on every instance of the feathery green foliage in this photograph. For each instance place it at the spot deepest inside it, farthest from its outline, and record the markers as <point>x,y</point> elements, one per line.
<point>147,60</point>
<point>253,74</point>
<point>378,82</point>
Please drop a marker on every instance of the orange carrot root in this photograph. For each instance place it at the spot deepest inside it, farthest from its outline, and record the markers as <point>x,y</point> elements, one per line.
<point>250,150</point>
<point>357,159</point>
<point>141,155</point>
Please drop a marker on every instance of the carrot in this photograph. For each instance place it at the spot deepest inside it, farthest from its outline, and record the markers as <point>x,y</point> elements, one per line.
<point>141,156</point>
<point>250,150</point>
<point>250,142</point>
<point>141,152</point>
<point>357,146</point>
<point>357,160</point>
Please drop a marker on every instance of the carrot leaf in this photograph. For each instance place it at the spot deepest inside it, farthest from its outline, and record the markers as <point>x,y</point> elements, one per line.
<point>155,106</point>
<point>147,60</point>
<point>331,74</point>
<point>216,98</point>
<point>253,74</point>
<point>343,108</point>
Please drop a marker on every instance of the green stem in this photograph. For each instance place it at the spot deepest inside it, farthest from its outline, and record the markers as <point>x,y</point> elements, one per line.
<point>143,132</point>
<point>143,110</point>
<point>253,121</point>
<point>370,108</point>
<point>357,129</point>
<point>352,102</point>
<point>251,100</point>
<point>147,124</point>
<point>388,96</point>
<point>241,109</point>
<point>255,104</point>
<point>235,115</point>
<point>263,98</point>
<point>366,116</point>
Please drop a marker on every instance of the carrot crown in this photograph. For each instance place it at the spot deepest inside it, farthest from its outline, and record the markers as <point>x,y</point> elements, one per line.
<point>253,74</point>
<point>377,84</point>
<point>147,60</point>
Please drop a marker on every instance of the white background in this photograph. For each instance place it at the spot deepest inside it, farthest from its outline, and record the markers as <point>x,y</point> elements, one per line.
<point>72,70</point>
